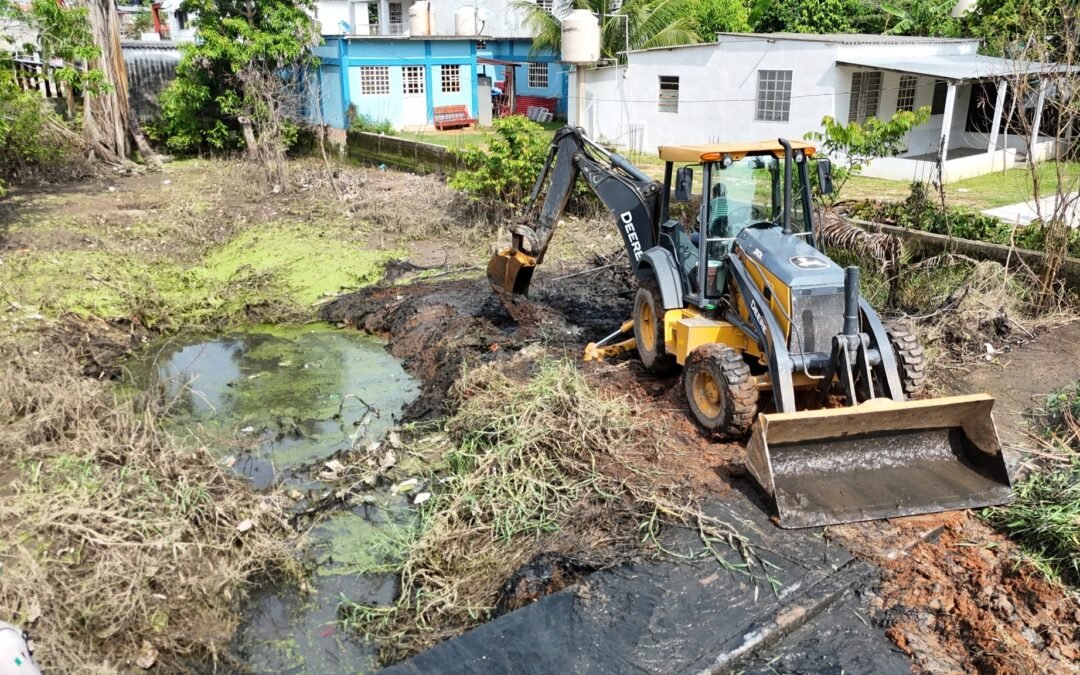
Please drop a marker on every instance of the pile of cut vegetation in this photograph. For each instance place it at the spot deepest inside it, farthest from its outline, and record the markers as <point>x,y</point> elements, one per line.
<point>119,546</point>
<point>542,467</point>
<point>1044,515</point>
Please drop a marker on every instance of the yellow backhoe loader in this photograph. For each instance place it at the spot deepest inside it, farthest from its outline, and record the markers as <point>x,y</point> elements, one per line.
<point>760,319</point>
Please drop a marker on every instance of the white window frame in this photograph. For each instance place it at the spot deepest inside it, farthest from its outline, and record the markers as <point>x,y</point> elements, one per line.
<point>906,92</point>
<point>375,80</point>
<point>538,75</point>
<point>667,94</point>
<point>773,101</point>
<point>865,97</point>
<point>412,80</point>
<point>450,78</point>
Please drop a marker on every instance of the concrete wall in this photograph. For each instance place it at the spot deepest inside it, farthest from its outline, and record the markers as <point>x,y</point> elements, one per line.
<point>718,91</point>
<point>151,66</point>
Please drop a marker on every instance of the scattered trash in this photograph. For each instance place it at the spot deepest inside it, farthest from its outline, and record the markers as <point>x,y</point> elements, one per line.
<point>333,469</point>
<point>228,462</point>
<point>388,460</point>
<point>148,656</point>
<point>394,440</point>
<point>421,498</point>
<point>374,446</point>
<point>247,430</point>
<point>166,182</point>
<point>405,486</point>
<point>295,495</point>
<point>245,525</point>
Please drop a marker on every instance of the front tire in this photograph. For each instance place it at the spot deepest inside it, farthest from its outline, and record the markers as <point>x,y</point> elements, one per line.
<point>910,359</point>
<point>720,390</point>
<point>649,330</point>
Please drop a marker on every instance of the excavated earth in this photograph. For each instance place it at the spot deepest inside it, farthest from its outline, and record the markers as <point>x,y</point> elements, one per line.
<point>952,594</point>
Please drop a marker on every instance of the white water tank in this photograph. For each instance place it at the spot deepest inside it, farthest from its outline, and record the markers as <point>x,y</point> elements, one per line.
<point>421,18</point>
<point>580,37</point>
<point>466,22</point>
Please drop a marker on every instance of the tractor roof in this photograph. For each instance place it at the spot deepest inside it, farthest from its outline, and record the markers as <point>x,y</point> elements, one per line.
<point>715,151</point>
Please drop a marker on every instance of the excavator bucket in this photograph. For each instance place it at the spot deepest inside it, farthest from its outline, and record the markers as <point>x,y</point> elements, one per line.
<point>880,459</point>
<point>510,271</point>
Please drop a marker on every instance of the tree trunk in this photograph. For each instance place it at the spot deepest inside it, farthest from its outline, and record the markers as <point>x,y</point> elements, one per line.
<point>106,114</point>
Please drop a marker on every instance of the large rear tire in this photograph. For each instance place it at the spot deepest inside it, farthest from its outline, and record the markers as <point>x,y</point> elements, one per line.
<point>910,359</point>
<point>649,330</point>
<point>721,393</point>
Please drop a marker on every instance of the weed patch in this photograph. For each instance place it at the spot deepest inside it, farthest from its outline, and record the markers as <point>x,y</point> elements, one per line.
<point>113,535</point>
<point>1044,515</point>
<point>545,465</point>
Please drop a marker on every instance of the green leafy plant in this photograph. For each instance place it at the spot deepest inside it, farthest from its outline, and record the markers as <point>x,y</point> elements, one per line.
<point>720,16</point>
<point>932,18</point>
<point>231,72</point>
<point>810,16</point>
<point>367,123</point>
<point>860,143</point>
<point>504,173</point>
<point>61,36</point>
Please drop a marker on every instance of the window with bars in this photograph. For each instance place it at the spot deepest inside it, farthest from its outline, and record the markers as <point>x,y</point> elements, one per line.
<point>396,13</point>
<point>546,4</point>
<point>773,96</point>
<point>412,79</point>
<point>905,96</point>
<point>865,94</point>
<point>374,80</point>
<point>668,98</point>
<point>450,77</point>
<point>538,75</point>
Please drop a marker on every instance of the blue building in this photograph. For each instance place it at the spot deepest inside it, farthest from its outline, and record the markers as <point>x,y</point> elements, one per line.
<point>403,79</point>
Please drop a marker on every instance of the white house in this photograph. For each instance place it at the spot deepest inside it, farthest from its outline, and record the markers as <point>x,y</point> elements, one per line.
<point>749,86</point>
<point>497,18</point>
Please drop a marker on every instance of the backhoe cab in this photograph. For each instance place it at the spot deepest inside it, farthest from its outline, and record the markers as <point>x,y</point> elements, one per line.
<point>762,321</point>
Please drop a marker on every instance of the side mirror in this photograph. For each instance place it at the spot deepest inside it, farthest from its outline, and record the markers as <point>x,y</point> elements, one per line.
<point>684,184</point>
<point>824,174</point>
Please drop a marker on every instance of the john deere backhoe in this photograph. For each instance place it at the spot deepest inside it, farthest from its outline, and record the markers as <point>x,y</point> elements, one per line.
<point>773,337</point>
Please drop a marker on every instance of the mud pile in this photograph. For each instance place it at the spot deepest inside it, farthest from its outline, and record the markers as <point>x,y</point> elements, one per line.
<point>963,601</point>
<point>436,327</point>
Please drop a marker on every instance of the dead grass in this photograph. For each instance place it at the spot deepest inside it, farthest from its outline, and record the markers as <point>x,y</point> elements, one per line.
<point>115,541</point>
<point>541,465</point>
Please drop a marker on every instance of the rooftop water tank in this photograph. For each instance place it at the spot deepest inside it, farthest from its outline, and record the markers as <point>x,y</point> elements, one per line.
<point>466,22</point>
<point>421,19</point>
<point>580,37</point>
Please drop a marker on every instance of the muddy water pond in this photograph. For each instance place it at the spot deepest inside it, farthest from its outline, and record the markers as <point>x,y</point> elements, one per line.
<point>274,404</point>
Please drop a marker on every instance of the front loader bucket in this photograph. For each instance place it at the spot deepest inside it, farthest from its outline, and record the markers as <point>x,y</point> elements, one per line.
<point>881,459</point>
<point>510,271</point>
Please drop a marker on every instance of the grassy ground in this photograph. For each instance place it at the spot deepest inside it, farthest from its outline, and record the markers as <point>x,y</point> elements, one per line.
<point>982,192</point>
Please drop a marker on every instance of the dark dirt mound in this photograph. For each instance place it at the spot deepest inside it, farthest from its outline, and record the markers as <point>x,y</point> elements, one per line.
<point>435,327</point>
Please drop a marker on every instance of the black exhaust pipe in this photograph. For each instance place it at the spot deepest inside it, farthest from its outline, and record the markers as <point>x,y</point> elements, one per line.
<point>851,301</point>
<point>787,184</point>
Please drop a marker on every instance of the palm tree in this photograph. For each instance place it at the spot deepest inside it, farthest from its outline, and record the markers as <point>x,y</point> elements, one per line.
<point>633,24</point>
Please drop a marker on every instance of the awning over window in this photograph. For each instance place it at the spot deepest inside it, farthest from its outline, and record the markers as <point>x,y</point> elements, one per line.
<point>954,67</point>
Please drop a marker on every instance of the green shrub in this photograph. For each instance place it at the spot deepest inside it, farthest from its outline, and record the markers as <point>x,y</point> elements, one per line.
<point>504,173</point>
<point>30,139</point>
<point>361,122</point>
<point>920,212</point>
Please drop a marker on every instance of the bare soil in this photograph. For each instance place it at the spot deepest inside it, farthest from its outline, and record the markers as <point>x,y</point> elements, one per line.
<point>955,594</point>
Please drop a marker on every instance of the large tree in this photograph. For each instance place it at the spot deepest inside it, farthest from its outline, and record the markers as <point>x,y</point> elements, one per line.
<point>238,83</point>
<point>633,24</point>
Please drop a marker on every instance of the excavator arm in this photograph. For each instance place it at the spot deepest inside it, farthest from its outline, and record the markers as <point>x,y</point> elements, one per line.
<point>632,198</point>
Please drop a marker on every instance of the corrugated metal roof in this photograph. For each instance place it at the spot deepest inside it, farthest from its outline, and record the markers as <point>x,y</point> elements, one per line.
<point>832,38</point>
<point>954,67</point>
<point>850,38</point>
